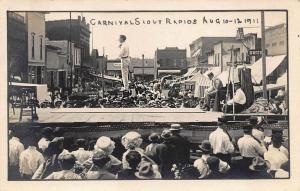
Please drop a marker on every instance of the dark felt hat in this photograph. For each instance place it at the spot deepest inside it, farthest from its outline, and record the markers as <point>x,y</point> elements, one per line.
<point>253,120</point>
<point>222,120</point>
<point>205,146</point>
<point>277,137</point>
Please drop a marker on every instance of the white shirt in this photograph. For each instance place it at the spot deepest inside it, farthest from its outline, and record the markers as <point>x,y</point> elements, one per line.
<point>82,155</point>
<point>64,174</point>
<point>43,143</point>
<point>284,150</point>
<point>30,160</point>
<point>275,157</point>
<point>258,134</point>
<point>15,149</point>
<point>220,142</point>
<point>124,52</point>
<point>281,174</point>
<point>249,147</point>
<point>239,97</point>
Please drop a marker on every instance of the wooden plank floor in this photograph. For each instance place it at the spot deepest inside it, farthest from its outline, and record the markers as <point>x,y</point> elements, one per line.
<point>94,115</point>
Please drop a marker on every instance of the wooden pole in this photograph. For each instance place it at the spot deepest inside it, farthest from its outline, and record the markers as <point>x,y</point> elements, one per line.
<point>263,50</point>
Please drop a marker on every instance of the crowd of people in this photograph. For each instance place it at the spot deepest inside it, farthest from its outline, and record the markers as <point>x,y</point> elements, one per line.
<point>166,155</point>
<point>140,95</point>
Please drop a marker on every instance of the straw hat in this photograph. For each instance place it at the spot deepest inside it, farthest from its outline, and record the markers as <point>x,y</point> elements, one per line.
<point>259,164</point>
<point>146,172</point>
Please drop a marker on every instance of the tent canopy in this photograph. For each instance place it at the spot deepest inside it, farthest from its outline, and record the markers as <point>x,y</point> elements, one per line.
<point>282,80</point>
<point>272,62</point>
<point>215,70</point>
<point>200,79</point>
<point>232,75</point>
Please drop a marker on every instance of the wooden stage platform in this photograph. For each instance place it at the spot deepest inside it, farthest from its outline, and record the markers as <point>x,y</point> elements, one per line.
<point>119,115</point>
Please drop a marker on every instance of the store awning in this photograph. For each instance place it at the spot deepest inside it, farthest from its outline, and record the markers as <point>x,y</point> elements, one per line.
<point>280,83</point>
<point>196,53</point>
<point>272,62</point>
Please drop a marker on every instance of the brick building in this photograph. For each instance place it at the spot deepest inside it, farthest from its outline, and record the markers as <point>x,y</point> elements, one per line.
<point>78,30</point>
<point>17,46</point>
<point>142,69</point>
<point>170,60</point>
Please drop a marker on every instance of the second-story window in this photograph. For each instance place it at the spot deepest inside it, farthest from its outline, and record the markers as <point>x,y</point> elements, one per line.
<point>41,47</point>
<point>32,45</point>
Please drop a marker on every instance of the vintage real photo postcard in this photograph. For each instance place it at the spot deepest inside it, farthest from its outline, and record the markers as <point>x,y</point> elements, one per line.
<point>130,95</point>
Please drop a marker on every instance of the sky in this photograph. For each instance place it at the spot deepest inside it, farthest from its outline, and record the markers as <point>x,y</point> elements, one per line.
<point>146,38</point>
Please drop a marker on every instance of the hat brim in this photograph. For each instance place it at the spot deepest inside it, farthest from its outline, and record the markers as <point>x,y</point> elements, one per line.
<point>174,129</point>
<point>203,149</point>
<point>155,175</point>
<point>267,167</point>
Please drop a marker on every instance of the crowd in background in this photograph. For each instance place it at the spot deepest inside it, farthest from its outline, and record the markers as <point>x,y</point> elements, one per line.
<point>164,155</point>
<point>141,94</point>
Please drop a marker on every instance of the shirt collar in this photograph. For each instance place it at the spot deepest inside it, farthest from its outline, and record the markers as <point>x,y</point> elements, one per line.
<point>15,139</point>
<point>32,147</point>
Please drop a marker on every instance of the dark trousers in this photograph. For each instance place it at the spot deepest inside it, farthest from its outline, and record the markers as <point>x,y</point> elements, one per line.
<point>13,173</point>
<point>238,108</point>
<point>26,176</point>
<point>244,167</point>
<point>224,157</point>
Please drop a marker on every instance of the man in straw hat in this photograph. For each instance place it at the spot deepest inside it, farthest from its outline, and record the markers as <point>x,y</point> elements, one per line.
<point>220,141</point>
<point>259,169</point>
<point>166,152</point>
<point>181,143</point>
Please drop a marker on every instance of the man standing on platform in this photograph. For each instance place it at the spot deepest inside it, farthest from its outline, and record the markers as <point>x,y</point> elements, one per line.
<point>220,141</point>
<point>125,61</point>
